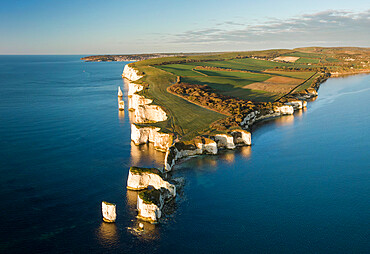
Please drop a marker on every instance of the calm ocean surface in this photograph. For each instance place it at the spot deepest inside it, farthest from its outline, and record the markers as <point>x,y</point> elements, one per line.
<point>303,187</point>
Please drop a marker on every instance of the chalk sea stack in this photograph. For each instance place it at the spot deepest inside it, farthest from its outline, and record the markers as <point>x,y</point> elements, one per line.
<point>120,94</point>
<point>108,211</point>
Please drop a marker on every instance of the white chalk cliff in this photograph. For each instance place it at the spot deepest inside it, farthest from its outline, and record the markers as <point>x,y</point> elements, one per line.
<point>120,94</point>
<point>149,211</point>
<point>149,114</point>
<point>242,137</point>
<point>297,104</point>
<point>108,211</point>
<point>130,73</point>
<point>285,110</point>
<point>225,141</point>
<point>145,112</point>
<point>142,180</point>
<point>204,145</point>
<point>142,135</point>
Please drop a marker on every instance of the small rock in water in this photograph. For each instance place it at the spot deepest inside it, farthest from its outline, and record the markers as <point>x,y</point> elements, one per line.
<point>109,211</point>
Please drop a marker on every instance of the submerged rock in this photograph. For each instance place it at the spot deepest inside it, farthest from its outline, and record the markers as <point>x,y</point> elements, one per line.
<point>108,211</point>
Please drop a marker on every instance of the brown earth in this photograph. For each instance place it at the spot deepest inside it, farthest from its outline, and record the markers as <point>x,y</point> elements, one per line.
<point>291,59</point>
<point>276,84</point>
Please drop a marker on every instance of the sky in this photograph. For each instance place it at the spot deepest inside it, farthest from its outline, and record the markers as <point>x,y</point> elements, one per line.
<point>89,27</point>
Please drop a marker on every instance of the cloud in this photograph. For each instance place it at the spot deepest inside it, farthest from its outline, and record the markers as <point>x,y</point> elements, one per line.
<point>329,27</point>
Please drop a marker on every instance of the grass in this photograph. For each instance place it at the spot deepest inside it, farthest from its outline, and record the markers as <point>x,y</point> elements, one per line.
<point>179,69</point>
<point>307,84</point>
<point>189,120</point>
<point>151,196</point>
<point>137,170</point>
<point>308,60</point>
<point>234,86</point>
<point>185,118</point>
<point>234,83</point>
<point>303,54</point>
<point>293,74</point>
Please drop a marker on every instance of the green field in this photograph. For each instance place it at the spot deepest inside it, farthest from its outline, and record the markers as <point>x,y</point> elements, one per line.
<point>307,84</point>
<point>188,119</point>
<point>293,74</point>
<point>304,54</point>
<point>233,83</point>
<point>308,60</point>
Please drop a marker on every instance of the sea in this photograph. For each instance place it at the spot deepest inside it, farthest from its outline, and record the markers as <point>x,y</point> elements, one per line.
<point>302,187</point>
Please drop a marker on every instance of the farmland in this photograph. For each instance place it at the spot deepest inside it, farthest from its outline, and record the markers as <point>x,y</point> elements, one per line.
<point>257,78</point>
<point>242,78</point>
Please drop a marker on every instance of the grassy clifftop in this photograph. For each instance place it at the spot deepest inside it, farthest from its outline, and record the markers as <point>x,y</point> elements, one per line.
<point>258,77</point>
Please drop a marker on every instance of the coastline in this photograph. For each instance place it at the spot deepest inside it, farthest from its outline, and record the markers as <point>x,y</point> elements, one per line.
<point>177,150</point>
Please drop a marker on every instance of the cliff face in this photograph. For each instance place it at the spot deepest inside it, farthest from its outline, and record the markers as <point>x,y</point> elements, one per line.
<point>256,116</point>
<point>203,145</point>
<point>145,113</point>
<point>135,100</point>
<point>242,137</point>
<point>108,211</point>
<point>297,104</point>
<point>149,211</point>
<point>140,181</point>
<point>225,141</point>
<point>130,73</point>
<point>155,192</point>
<point>285,110</point>
<point>143,135</point>
<point>149,114</point>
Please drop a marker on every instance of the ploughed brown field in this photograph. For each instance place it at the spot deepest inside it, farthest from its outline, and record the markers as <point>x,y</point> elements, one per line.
<point>276,84</point>
<point>291,59</point>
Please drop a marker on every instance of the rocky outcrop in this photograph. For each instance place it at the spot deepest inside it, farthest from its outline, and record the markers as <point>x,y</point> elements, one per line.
<point>285,110</point>
<point>120,94</point>
<point>249,119</point>
<point>205,145</point>
<point>155,191</point>
<point>224,141</point>
<point>130,73</point>
<point>200,145</point>
<point>150,209</point>
<point>297,104</point>
<point>242,137</point>
<point>108,211</point>
<point>121,105</point>
<point>143,135</point>
<point>142,178</point>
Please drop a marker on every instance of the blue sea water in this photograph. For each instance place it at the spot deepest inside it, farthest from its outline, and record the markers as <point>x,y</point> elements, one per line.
<point>303,186</point>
